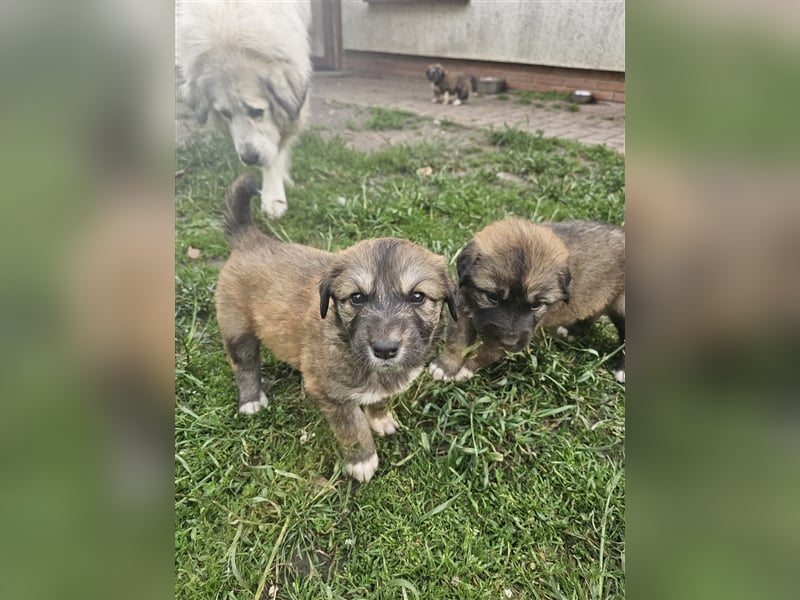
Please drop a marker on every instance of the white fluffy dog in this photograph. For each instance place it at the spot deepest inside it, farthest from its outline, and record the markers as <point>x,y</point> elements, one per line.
<point>248,64</point>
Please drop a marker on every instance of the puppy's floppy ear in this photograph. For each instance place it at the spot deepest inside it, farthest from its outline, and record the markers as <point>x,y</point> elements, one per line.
<point>325,291</point>
<point>452,304</point>
<point>564,279</point>
<point>467,259</point>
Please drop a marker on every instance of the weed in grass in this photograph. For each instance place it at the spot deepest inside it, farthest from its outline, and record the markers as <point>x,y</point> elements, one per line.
<point>513,480</point>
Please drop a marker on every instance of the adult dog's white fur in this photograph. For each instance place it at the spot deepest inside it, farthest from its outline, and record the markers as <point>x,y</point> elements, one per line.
<point>248,65</point>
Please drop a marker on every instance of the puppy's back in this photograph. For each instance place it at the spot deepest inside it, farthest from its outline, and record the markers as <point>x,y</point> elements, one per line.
<point>597,264</point>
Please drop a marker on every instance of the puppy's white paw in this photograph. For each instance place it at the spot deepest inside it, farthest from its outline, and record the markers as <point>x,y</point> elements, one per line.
<point>274,208</point>
<point>251,408</point>
<point>463,374</point>
<point>457,102</point>
<point>384,425</point>
<point>562,331</point>
<point>439,375</point>
<point>619,375</point>
<point>364,470</point>
<point>437,372</point>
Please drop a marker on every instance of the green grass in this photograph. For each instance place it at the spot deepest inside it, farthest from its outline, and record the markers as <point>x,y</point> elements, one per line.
<point>511,483</point>
<point>389,118</point>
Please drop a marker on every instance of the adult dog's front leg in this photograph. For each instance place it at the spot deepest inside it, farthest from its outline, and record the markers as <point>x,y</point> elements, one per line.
<point>273,194</point>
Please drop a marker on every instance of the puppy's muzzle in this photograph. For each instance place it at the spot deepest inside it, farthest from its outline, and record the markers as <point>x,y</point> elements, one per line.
<point>385,349</point>
<point>250,156</point>
<point>513,344</point>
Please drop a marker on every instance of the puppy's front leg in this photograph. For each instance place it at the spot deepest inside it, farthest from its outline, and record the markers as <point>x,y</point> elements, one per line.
<point>380,418</point>
<point>352,431</point>
<point>449,365</point>
<point>485,355</point>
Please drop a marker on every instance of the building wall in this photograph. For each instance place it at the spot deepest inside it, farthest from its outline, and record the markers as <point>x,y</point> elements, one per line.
<point>578,34</point>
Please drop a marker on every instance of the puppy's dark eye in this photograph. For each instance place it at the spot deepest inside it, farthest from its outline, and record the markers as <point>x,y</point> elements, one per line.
<point>255,113</point>
<point>357,299</point>
<point>536,304</point>
<point>416,298</point>
<point>492,297</point>
<point>226,114</point>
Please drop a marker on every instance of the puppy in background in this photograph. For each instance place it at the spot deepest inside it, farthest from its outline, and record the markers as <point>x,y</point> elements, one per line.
<point>515,276</point>
<point>359,324</point>
<point>447,84</point>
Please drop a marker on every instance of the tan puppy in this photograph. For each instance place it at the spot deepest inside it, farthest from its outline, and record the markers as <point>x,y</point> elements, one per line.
<point>359,324</point>
<point>447,84</point>
<point>516,276</point>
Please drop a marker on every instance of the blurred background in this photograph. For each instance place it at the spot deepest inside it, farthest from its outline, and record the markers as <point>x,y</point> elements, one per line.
<point>713,220</point>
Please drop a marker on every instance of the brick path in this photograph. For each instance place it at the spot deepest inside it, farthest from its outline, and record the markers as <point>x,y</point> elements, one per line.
<point>599,123</point>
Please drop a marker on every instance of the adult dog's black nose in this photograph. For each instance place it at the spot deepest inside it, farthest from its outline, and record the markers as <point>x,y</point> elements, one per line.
<point>385,349</point>
<point>249,157</point>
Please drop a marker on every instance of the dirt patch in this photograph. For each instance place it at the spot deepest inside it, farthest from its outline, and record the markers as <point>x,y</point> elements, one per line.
<point>350,122</point>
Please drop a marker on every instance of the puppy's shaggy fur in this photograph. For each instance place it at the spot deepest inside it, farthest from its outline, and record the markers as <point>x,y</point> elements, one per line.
<point>516,276</point>
<point>248,65</point>
<point>359,324</point>
<point>447,84</point>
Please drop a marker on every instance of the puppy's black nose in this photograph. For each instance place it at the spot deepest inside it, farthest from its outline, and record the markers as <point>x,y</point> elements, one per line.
<point>385,349</point>
<point>249,157</point>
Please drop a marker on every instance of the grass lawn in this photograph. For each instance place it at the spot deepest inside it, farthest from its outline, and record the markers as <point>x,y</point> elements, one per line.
<point>510,485</point>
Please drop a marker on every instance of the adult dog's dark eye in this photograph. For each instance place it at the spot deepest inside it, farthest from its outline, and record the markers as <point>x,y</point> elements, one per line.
<point>416,298</point>
<point>536,304</point>
<point>357,299</point>
<point>226,114</point>
<point>255,113</point>
<point>492,297</point>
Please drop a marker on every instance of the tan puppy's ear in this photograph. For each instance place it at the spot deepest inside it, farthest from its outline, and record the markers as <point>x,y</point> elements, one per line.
<point>325,291</point>
<point>564,279</point>
<point>467,258</point>
<point>452,305</point>
<point>324,296</point>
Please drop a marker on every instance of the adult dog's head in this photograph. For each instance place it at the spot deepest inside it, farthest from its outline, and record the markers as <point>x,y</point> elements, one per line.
<point>435,73</point>
<point>386,297</point>
<point>510,274</point>
<point>259,100</point>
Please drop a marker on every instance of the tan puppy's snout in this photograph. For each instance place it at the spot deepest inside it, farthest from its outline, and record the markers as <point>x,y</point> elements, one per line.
<point>385,348</point>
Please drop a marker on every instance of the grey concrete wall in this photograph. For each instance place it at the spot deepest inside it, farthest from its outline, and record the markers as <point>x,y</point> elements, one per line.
<point>586,34</point>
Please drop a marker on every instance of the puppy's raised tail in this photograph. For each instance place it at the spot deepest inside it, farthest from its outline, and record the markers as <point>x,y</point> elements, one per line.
<point>237,216</point>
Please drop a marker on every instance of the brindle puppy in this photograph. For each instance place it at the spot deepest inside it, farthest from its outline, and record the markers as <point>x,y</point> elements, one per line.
<point>446,84</point>
<point>359,324</point>
<point>516,276</point>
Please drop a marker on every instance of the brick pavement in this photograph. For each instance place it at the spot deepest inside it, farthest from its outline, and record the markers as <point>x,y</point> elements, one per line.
<point>599,123</point>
